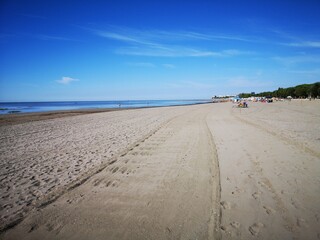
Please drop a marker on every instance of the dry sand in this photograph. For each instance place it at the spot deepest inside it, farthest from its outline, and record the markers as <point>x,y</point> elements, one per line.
<point>157,174</point>
<point>269,157</point>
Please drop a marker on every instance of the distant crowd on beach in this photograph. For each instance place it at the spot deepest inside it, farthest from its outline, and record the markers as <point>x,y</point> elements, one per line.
<point>243,102</point>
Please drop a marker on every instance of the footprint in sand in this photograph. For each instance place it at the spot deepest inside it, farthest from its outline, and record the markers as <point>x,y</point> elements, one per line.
<point>114,170</point>
<point>115,183</point>
<point>33,227</point>
<point>239,190</point>
<point>223,228</point>
<point>96,182</point>
<point>269,210</point>
<point>225,205</point>
<point>235,224</point>
<point>145,153</point>
<point>256,228</point>
<point>108,183</point>
<point>256,195</point>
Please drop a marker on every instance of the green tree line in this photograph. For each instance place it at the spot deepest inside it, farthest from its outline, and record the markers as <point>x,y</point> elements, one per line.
<point>299,91</point>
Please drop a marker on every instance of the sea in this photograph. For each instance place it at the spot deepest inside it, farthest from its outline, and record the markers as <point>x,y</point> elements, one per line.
<point>32,107</point>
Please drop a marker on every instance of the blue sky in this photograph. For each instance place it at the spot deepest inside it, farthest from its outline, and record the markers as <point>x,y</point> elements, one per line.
<point>113,50</point>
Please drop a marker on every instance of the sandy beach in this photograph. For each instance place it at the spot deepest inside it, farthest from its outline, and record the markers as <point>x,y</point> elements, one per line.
<point>207,171</point>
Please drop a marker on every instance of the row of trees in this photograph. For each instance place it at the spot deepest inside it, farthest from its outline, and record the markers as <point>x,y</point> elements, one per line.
<point>300,91</point>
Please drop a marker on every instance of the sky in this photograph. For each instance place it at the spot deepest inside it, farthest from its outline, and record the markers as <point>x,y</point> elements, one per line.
<point>135,50</point>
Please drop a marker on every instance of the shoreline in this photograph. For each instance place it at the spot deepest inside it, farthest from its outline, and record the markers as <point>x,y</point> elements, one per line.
<point>17,118</point>
<point>17,108</point>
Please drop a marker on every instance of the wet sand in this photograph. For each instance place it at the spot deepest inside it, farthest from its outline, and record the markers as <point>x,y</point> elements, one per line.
<point>16,118</point>
<point>194,172</point>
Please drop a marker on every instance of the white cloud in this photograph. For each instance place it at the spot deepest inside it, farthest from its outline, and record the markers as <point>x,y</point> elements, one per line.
<point>66,80</point>
<point>155,43</point>
<point>149,36</point>
<point>176,51</point>
<point>119,37</point>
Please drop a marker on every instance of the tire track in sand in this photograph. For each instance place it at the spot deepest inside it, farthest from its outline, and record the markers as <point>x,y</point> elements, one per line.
<point>54,195</point>
<point>164,187</point>
<point>283,138</point>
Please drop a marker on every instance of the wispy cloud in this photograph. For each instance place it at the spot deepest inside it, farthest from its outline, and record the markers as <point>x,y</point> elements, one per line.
<point>293,60</point>
<point>122,37</point>
<point>307,44</point>
<point>166,44</point>
<point>294,41</point>
<point>177,51</point>
<point>66,80</point>
<point>191,36</point>
<point>174,51</point>
<point>150,36</point>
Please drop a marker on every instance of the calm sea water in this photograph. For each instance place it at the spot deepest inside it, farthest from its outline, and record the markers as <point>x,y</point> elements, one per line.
<point>28,107</point>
